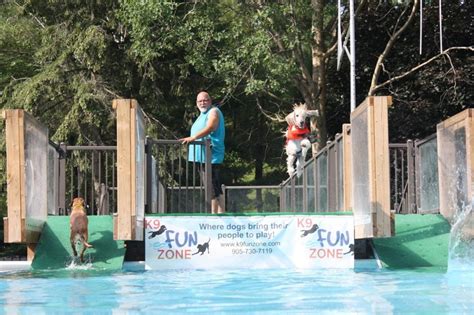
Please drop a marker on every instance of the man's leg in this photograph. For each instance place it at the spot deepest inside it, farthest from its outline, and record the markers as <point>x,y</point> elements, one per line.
<point>216,202</point>
<point>216,205</point>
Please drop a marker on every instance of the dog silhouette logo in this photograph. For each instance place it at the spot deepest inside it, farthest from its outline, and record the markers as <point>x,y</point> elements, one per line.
<point>202,248</point>
<point>160,231</point>
<point>351,250</point>
<point>313,229</point>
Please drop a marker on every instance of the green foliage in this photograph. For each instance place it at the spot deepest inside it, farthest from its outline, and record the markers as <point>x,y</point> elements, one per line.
<point>435,92</point>
<point>18,41</point>
<point>64,62</point>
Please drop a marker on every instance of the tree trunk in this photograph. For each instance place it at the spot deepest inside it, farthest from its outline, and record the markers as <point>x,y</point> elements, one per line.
<point>318,89</point>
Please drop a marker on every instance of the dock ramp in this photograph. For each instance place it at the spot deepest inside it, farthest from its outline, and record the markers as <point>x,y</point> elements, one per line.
<point>54,250</point>
<point>421,240</point>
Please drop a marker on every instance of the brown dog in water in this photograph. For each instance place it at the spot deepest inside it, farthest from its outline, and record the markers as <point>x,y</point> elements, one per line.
<point>79,226</point>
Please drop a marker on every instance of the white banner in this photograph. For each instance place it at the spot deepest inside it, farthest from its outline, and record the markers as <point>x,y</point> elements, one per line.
<point>234,242</point>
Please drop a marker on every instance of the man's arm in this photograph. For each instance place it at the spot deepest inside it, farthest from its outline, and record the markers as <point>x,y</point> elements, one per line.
<point>212,123</point>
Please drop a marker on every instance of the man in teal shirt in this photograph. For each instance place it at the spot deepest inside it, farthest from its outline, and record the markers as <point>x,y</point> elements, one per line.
<point>209,124</point>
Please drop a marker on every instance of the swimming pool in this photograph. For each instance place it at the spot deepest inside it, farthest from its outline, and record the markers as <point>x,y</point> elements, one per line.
<point>329,291</point>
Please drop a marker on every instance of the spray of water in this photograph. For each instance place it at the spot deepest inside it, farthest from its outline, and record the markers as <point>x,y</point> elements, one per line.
<point>461,243</point>
<point>75,264</point>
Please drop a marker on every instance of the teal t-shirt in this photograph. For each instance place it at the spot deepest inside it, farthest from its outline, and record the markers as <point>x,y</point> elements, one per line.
<point>197,152</point>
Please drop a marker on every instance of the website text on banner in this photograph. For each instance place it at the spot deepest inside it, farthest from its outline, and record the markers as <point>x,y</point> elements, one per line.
<point>211,242</point>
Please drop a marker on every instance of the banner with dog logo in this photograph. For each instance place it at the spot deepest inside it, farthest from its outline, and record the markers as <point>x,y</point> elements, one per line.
<point>233,242</point>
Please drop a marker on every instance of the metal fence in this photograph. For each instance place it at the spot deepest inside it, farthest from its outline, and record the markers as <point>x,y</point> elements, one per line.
<point>251,198</point>
<point>413,179</point>
<point>175,185</point>
<point>402,177</point>
<point>89,172</point>
<point>426,170</point>
<point>320,188</point>
<point>414,176</point>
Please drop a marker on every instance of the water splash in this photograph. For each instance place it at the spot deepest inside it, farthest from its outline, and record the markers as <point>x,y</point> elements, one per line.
<point>461,242</point>
<point>75,264</point>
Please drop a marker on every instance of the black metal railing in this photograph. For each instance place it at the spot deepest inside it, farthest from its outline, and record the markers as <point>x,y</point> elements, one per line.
<point>175,185</point>
<point>252,198</point>
<point>402,177</point>
<point>426,175</point>
<point>321,186</point>
<point>89,172</point>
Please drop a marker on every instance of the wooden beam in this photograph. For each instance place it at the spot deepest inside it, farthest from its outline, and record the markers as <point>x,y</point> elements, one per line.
<point>124,185</point>
<point>129,219</point>
<point>347,168</point>
<point>133,168</point>
<point>382,167</point>
<point>30,251</point>
<point>372,165</point>
<point>26,138</point>
<point>15,175</point>
<point>448,165</point>
<point>375,221</point>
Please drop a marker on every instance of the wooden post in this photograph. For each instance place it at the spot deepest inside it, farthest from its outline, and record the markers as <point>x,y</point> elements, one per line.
<point>305,189</point>
<point>411,196</point>
<point>62,180</point>
<point>371,168</point>
<point>223,198</point>
<point>27,176</point>
<point>282,198</point>
<point>130,202</point>
<point>293,194</point>
<point>331,166</point>
<point>209,191</point>
<point>381,162</point>
<point>30,251</point>
<point>347,168</point>
<point>455,137</point>
<point>14,135</point>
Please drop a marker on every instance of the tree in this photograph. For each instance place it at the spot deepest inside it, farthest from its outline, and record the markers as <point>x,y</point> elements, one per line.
<point>256,57</point>
<point>216,47</point>
<point>73,51</point>
<point>428,86</point>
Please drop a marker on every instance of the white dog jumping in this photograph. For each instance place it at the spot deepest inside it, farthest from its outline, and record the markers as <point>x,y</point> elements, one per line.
<point>297,142</point>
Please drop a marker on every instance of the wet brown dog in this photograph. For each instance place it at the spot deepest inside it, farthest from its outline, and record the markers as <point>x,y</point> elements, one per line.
<point>79,226</point>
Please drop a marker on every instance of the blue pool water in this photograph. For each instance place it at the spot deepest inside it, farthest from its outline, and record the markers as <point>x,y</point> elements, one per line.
<point>365,291</point>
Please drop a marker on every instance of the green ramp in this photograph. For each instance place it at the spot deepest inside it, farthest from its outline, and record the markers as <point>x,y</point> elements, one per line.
<point>54,248</point>
<point>421,240</point>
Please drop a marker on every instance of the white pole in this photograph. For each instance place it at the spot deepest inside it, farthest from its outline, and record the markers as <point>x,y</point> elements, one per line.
<point>352,54</point>
<point>421,26</point>
<point>440,28</point>
<point>339,35</point>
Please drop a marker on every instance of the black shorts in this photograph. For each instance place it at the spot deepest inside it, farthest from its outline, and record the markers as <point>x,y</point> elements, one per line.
<point>216,183</point>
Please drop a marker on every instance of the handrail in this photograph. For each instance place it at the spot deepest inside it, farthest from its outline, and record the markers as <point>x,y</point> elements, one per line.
<point>184,173</point>
<point>424,140</point>
<point>252,187</point>
<point>168,141</point>
<point>324,150</point>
